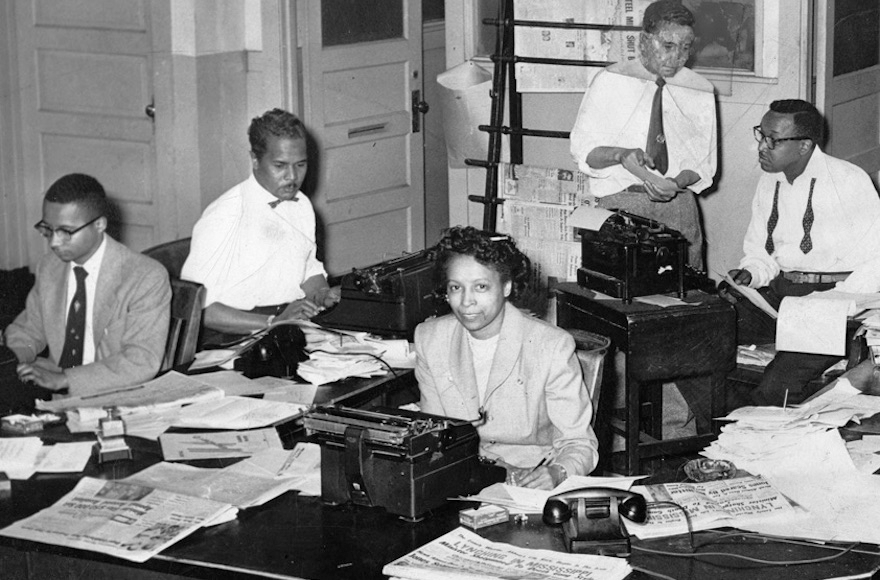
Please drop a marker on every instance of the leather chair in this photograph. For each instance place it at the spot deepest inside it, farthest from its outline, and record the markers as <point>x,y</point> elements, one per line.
<point>171,254</point>
<point>187,302</point>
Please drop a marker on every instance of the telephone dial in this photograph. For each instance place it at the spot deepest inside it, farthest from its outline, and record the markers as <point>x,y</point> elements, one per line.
<point>590,518</point>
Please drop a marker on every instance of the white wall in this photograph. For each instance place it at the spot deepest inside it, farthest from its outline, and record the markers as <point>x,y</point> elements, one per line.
<point>742,100</point>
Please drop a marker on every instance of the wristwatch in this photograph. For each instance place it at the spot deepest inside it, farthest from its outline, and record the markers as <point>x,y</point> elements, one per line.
<point>563,473</point>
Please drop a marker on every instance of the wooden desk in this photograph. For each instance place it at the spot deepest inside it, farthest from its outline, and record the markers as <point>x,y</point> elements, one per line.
<point>299,537</point>
<point>661,345</point>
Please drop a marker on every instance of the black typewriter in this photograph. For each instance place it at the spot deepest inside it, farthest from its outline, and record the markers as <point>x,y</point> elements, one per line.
<point>388,299</point>
<point>633,256</point>
<point>404,461</point>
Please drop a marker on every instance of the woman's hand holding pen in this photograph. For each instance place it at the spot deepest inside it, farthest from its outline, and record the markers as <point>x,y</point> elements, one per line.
<point>538,477</point>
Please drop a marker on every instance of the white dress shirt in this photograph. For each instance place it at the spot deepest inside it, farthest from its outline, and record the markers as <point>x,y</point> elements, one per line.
<point>616,112</point>
<point>93,267</point>
<point>846,226</point>
<point>248,254</point>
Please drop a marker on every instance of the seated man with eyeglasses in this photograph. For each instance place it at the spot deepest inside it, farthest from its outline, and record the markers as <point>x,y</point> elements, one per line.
<point>815,219</point>
<point>101,309</point>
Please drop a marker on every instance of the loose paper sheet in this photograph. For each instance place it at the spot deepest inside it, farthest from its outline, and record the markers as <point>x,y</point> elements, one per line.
<point>217,444</point>
<point>812,325</point>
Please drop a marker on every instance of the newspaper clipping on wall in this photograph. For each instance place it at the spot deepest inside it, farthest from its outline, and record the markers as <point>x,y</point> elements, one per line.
<point>593,45</point>
<point>537,203</point>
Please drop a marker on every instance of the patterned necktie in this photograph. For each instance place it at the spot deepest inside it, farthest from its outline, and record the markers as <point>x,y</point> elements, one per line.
<point>771,223</point>
<point>656,146</point>
<point>74,338</point>
<point>807,242</point>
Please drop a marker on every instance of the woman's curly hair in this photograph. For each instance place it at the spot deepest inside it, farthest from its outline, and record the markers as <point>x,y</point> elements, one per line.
<point>495,251</point>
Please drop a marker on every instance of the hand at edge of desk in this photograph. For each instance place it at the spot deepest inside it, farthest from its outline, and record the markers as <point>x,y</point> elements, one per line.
<point>865,376</point>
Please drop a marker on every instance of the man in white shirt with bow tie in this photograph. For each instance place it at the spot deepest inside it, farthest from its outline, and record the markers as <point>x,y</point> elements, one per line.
<point>254,247</point>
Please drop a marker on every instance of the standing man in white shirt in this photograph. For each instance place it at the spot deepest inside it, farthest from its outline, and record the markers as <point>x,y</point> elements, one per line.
<point>651,115</point>
<point>815,219</point>
<point>254,247</point>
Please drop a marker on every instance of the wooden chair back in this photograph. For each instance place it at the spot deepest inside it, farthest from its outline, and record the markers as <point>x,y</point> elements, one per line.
<point>591,349</point>
<point>187,302</point>
<point>171,254</point>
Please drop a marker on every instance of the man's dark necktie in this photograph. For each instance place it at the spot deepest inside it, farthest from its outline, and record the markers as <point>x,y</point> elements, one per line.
<point>656,146</point>
<point>74,338</point>
<point>807,242</point>
<point>771,223</point>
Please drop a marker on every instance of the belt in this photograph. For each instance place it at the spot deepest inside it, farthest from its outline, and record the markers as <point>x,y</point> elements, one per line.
<point>815,277</point>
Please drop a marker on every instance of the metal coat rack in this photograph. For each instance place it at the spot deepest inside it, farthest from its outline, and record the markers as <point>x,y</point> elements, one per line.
<point>504,83</point>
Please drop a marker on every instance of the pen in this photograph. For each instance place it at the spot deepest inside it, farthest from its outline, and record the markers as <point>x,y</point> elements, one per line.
<point>542,462</point>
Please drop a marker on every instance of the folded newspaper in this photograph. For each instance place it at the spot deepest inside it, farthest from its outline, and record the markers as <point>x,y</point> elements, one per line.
<point>463,555</point>
<point>132,522</point>
<point>712,504</point>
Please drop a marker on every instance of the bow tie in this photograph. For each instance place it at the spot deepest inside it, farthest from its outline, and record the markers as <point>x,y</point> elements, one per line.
<point>274,204</point>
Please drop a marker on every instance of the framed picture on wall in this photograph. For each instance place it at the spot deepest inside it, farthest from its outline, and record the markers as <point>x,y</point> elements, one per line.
<point>726,32</point>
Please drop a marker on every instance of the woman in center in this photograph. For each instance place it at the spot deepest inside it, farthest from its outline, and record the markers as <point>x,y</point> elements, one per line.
<point>516,377</point>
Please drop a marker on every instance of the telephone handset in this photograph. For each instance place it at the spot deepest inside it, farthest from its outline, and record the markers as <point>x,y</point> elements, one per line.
<point>591,518</point>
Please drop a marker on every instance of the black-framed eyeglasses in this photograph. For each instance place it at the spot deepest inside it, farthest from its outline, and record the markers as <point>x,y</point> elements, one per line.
<point>63,233</point>
<point>772,141</point>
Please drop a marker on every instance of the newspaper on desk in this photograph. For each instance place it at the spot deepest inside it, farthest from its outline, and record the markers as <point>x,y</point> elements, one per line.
<point>711,504</point>
<point>463,555</point>
<point>127,521</point>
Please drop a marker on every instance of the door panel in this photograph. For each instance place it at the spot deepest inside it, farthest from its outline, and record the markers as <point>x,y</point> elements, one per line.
<point>848,79</point>
<point>358,107</point>
<point>86,76</point>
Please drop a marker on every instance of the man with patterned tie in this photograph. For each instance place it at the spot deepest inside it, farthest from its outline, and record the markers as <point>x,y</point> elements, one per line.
<point>815,219</point>
<point>651,115</point>
<point>101,309</point>
<point>254,247</point>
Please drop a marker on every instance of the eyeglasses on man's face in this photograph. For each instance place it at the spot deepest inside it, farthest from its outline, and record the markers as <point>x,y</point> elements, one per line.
<point>772,141</point>
<point>64,234</point>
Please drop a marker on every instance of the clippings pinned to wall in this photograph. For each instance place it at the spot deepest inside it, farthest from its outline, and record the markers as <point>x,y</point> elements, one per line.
<point>725,38</point>
<point>593,45</point>
<point>537,203</point>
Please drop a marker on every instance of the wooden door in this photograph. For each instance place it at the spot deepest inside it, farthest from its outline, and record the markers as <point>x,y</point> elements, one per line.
<point>848,79</point>
<point>363,74</point>
<point>86,78</point>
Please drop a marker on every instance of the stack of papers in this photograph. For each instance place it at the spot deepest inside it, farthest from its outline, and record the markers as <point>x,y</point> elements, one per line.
<point>249,483</point>
<point>764,439</point>
<point>531,501</point>
<point>799,451</point>
<point>323,368</point>
<point>236,413</point>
